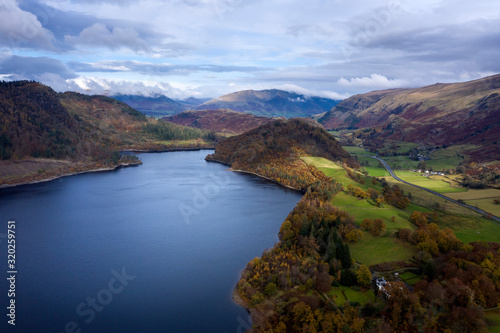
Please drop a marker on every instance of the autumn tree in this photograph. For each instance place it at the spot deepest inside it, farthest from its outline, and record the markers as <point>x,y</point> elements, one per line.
<point>363,276</point>
<point>378,227</point>
<point>419,218</point>
<point>354,235</point>
<point>367,224</point>
<point>404,234</point>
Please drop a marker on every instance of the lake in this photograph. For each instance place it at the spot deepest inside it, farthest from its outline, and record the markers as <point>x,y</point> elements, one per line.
<point>154,248</point>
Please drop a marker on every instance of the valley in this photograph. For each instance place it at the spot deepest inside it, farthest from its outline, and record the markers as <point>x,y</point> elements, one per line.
<point>356,220</point>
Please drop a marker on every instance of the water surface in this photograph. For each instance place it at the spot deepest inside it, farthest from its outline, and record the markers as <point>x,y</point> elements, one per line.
<point>154,248</point>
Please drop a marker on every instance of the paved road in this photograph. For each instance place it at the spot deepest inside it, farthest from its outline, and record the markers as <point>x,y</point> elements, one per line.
<point>388,168</point>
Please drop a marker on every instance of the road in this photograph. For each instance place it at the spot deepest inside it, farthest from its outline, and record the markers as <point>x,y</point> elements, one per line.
<point>388,168</point>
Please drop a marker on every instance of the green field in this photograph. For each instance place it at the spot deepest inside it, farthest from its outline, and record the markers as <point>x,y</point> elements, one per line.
<point>352,295</point>
<point>410,278</point>
<point>439,158</point>
<point>362,209</point>
<point>377,171</point>
<point>357,150</point>
<point>373,250</point>
<point>370,249</point>
<point>482,199</point>
<point>426,199</point>
<point>435,183</point>
<point>330,169</point>
<point>448,158</point>
<point>467,225</point>
<point>493,320</point>
<point>402,162</point>
<point>471,228</point>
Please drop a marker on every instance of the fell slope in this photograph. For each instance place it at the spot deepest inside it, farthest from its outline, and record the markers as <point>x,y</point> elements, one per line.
<point>221,120</point>
<point>271,103</point>
<point>273,150</point>
<point>440,114</point>
<point>108,120</point>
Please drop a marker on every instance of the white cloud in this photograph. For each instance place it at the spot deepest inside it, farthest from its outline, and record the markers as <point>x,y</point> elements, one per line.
<point>374,81</point>
<point>99,35</point>
<point>327,48</point>
<point>20,29</point>
<point>100,86</point>
<point>308,92</point>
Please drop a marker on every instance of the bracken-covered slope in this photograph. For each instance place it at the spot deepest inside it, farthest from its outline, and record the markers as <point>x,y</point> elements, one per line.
<point>273,150</point>
<point>221,120</point>
<point>440,114</point>
<point>107,120</point>
<point>271,103</point>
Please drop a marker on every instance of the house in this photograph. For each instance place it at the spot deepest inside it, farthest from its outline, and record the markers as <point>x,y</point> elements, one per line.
<point>380,283</point>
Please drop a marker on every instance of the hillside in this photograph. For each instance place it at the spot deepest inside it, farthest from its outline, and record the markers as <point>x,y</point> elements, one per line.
<point>34,123</point>
<point>222,120</point>
<point>158,105</point>
<point>44,134</point>
<point>440,114</point>
<point>273,150</point>
<point>270,103</point>
<point>349,228</point>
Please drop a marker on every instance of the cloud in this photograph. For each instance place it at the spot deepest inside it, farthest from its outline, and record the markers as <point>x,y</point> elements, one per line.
<point>308,92</point>
<point>22,29</point>
<point>34,68</point>
<point>100,86</point>
<point>335,48</point>
<point>375,81</point>
<point>157,69</point>
<point>98,35</point>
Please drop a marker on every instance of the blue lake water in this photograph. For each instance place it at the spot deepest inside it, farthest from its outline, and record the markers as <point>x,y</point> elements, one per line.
<point>154,248</point>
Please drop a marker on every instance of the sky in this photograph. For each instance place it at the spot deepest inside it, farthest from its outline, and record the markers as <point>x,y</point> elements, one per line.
<point>207,48</point>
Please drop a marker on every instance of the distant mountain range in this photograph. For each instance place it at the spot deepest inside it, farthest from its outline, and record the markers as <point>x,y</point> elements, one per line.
<point>221,120</point>
<point>440,114</point>
<point>271,103</point>
<point>267,103</point>
<point>159,105</point>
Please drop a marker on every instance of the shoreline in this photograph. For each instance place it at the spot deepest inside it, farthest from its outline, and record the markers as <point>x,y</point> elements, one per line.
<point>51,178</point>
<point>268,179</point>
<point>168,150</point>
<point>256,315</point>
<point>102,169</point>
<point>254,174</point>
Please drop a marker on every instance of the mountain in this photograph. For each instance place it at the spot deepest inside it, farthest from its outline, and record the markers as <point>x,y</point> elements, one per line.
<point>34,123</point>
<point>157,105</point>
<point>192,102</point>
<point>222,120</point>
<point>271,103</point>
<point>440,114</point>
<point>273,150</point>
<point>44,134</point>
<point>106,119</point>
